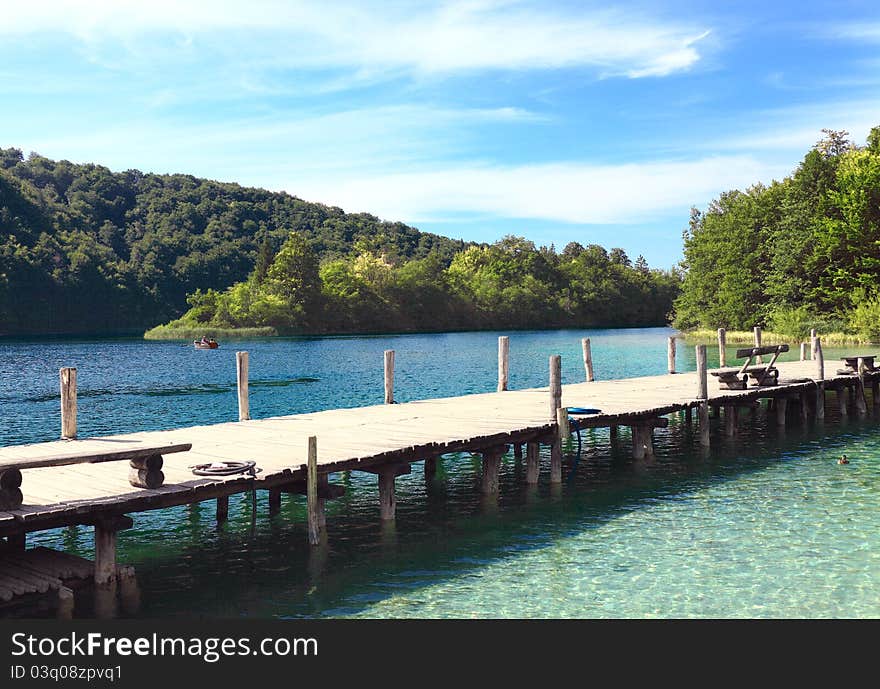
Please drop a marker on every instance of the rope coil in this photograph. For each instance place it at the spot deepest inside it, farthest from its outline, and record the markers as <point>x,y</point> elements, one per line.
<point>225,468</point>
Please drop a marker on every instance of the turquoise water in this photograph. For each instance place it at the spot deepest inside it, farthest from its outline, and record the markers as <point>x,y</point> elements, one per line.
<point>766,524</point>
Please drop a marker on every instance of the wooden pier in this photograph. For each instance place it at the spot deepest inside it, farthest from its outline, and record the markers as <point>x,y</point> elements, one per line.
<point>297,453</point>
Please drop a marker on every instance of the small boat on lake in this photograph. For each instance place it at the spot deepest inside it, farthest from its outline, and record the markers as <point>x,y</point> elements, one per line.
<point>205,343</point>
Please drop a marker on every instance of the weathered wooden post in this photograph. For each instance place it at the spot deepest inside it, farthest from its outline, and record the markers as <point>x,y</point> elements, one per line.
<point>241,370</point>
<point>820,376</point>
<point>503,362</point>
<point>491,467</point>
<point>781,406</point>
<point>314,508</point>
<point>813,341</point>
<point>387,496</point>
<point>389,376</point>
<point>722,347</point>
<point>106,530</point>
<point>703,394</point>
<point>757,330</point>
<point>222,509</point>
<point>533,455</point>
<point>670,354</point>
<point>556,446</point>
<point>274,501</point>
<point>588,358</point>
<point>861,402</point>
<point>430,469</point>
<point>803,351</point>
<point>68,403</point>
<point>730,419</point>
<point>555,385</point>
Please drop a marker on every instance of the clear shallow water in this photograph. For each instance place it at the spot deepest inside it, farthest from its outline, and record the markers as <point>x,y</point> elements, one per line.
<point>765,525</point>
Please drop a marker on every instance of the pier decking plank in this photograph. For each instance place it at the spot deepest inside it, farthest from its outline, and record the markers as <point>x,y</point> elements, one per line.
<point>348,438</point>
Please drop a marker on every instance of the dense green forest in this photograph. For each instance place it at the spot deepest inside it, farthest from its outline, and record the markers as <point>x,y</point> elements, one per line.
<point>85,249</point>
<point>509,284</point>
<point>800,253</point>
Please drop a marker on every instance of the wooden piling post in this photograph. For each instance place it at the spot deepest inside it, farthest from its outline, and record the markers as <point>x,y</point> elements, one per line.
<point>241,370</point>
<point>703,394</point>
<point>68,403</point>
<point>803,351</point>
<point>730,419</point>
<point>813,341</point>
<point>314,510</point>
<point>222,509</point>
<point>861,402</point>
<point>274,501</point>
<point>688,416</point>
<point>533,456</point>
<point>757,330</point>
<point>820,401</point>
<point>670,354</point>
<point>722,347</point>
<point>638,444</point>
<point>105,554</point>
<point>389,376</point>
<point>875,393</point>
<point>805,407</point>
<point>387,497</point>
<point>819,357</point>
<point>781,406</point>
<point>841,400</point>
<point>588,358</point>
<point>517,450</point>
<point>430,469</point>
<point>491,469</point>
<point>556,446</point>
<point>503,362</point>
<point>555,385</point>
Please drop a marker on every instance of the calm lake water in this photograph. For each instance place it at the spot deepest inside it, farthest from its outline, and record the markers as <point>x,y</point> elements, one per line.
<point>766,525</point>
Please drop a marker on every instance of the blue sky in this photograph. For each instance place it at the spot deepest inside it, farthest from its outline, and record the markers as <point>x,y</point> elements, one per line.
<point>560,121</point>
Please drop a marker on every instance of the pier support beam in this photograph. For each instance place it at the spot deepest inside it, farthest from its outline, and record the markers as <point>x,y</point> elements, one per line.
<point>859,389</point>
<point>315,506</point>
<point>517,451</point>
<point>588,358</point>
<point>703,413</point>
<point>875,393</point>
<point>731,414</point>
<point>805,407</point>
<point>430,469</point>
<point>820,401</point>
<point>387,498</point>
<point>491,468</point>
<point>781,406</point>
<point>222,509</point>
<point>106,530</point>
<point>841,400</point>
<point>533,456</point>
<point>688,416</point>
<point>389,376</point>
<point>274,501</point>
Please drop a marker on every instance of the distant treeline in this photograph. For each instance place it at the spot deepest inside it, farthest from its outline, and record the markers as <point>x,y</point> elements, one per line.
<point>800,253</point>
<point>510,284</point>
<point>84,249</point>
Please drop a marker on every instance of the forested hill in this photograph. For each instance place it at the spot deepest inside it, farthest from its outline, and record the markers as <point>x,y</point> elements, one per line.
<point>800,253</point>
<point>84,249</point>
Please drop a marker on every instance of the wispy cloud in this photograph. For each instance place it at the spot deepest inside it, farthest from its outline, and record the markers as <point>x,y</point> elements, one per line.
<point>417,38</point>
<point>562,192</point>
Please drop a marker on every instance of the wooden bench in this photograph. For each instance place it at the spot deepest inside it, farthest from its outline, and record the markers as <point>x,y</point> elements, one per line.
<point>145,468</point>
<point>852,363</point>
<point>738,378</point>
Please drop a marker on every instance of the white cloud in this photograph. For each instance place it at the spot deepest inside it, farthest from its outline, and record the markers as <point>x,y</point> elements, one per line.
<point>435,38</point>
<point>561,192</point>
<point>797,128</point>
